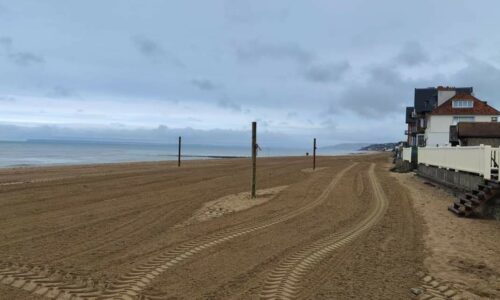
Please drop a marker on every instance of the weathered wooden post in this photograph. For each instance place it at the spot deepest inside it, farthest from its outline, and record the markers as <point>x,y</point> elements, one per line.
<point>179,154</point>
<point>314,154</point>
<point>254,157</point>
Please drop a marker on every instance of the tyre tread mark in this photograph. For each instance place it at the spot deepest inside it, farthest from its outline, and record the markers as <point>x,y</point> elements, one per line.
<point>285,281</point>
<point>41,281</point>
<point>165,261</point>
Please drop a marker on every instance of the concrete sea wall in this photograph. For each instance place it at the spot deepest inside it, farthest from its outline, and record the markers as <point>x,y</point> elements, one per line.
<point>450,178</point>
<point>462,182</point>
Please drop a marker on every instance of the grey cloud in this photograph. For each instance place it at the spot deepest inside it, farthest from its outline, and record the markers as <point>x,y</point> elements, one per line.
<point>371,100</point>
<point>6,42</point>
<point>229,105</point>
<point>328,123</point>
<point>20,58</point>
<point>385,75</point>
<point>412,54</point>
<point>25,58</point>
<point>154,50</point>
<point>327,72</point>
<point>61,92</point>
<point>256,51</point>
<point>148,47</point>
<point>160,134</point>
<point>204,84</point>
<point>282,45</point>
<point>262,123</point>
<point>387,92</point>
<point>483,76</point>
<point>384,93</point>
<point>9,99</point>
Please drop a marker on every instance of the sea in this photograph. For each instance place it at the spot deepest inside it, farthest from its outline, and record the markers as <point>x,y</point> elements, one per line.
<point>44,153</point>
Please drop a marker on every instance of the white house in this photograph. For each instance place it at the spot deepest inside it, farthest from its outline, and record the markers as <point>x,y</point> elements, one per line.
<point>453,108</point>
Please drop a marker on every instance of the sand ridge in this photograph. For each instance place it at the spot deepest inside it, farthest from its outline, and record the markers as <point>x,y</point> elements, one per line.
<point>231,204</point>
<point>311,170</point>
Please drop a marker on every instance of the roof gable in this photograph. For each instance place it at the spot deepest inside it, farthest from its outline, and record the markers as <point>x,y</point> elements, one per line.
<point>479,108</point>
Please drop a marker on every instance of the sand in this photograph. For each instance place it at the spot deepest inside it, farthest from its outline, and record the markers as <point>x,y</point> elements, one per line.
<point>113,230</point>
<point>462,253</point>
<point>231,204</point>
<point>310,170</point>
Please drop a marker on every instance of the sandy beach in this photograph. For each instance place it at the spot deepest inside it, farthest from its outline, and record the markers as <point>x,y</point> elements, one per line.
<point>348,230</point>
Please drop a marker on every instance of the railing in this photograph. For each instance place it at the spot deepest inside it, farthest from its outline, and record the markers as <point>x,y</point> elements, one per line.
<point>406,154</point>
<point>476,159</point>
<point>495,158</point>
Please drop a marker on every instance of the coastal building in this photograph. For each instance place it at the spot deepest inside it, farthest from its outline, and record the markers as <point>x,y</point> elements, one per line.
<point>460,108</point>
<point>425,101</point>
<point>475,134</point>
<point>436,109</point>
<point>445,117</point>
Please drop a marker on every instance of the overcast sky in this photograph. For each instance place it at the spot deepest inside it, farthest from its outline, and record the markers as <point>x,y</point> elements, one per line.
<point>342,71</point>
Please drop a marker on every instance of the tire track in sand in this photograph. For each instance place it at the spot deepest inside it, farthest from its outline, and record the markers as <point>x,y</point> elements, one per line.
<point>285,281</point>
<point>35,181</point>
<point>42,281</point>
<point>131,285</point>
<point>91,176</point>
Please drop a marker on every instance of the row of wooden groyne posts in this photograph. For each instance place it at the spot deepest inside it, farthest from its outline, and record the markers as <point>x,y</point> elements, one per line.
<point>471,172</point>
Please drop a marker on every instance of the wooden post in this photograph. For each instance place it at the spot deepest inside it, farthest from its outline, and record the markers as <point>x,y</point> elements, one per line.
<point>314,154</point>
<point>254,156</point>
<point>179,154</point>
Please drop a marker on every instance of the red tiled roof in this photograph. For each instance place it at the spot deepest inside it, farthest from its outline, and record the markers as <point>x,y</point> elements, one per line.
<point>480,107</point>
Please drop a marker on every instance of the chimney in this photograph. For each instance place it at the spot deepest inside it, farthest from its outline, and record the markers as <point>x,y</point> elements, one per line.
<point>445,94</point>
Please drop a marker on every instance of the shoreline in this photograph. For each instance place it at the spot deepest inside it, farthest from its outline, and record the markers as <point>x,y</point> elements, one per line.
<point>190,158</point>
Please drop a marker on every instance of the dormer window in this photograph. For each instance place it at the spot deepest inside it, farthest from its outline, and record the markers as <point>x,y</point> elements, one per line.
<point>463,104</point>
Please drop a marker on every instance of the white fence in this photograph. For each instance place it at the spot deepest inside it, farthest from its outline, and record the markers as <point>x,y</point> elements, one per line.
<point>476,159</point>
<point>406,154</point>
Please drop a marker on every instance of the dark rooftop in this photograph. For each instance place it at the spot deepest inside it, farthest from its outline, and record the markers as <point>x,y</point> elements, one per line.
<point>426,98</point>
<point>479,129</point>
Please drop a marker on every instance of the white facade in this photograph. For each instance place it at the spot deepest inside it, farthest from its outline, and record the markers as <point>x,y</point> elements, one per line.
<point>445,95</point>
<point>437,133</point>
<point>475,159</point>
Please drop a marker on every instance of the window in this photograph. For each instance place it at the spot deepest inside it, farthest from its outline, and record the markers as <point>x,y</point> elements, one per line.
<point>457,119</point>
<point>420,140</point>
<point>462,104</point>
<point>494,119</point>
<point>423,123</point>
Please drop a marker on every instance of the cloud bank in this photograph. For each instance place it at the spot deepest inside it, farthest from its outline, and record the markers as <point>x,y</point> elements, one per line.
<point>329,70</point>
